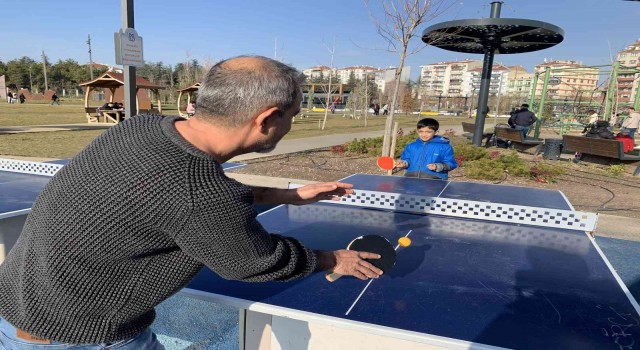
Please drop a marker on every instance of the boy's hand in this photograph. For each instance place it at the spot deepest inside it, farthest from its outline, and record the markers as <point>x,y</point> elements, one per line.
<point>400,164</point>
<point>432,167</point>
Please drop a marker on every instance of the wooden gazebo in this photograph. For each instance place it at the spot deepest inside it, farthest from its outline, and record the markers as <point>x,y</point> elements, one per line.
<point>189,91</point>
<point>114,81</point>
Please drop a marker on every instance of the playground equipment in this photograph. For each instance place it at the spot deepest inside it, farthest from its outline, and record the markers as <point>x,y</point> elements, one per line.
<point>189,91</point>
<point>572,111</point>
<point>489,36</point>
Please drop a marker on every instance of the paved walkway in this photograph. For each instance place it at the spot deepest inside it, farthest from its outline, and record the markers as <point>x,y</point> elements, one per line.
<point>58,127</point>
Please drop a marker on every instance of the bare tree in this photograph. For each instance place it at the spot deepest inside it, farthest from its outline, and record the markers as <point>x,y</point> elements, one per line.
<point>398,26</point>
<point>329,91</point>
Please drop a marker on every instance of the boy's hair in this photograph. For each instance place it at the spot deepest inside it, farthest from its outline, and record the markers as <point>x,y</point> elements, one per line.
<point>524,105</point>
<point>428,123</point>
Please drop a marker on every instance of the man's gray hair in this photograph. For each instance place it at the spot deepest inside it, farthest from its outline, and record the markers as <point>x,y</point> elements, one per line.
<point>231,94</point>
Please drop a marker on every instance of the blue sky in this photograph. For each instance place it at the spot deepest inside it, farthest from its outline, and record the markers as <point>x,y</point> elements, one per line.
<point>210,30</point>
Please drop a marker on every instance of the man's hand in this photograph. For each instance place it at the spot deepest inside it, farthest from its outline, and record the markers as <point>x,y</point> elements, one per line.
<point>432,167</point>
<point>302,195</point>
<point>321,191</point>
<point>348,263</point>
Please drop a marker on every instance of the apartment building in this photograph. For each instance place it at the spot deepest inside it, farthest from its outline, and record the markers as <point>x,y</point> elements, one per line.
<point>519,83</point>
<point>627,83</point>
<point>569,80</point>
<point>447,78</point>
<point>497,83</point>
<point>360,72</point>
<point>319,72</point>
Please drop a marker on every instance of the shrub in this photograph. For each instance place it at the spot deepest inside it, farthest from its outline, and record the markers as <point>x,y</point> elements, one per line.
<point>615,170</point>
<point>487,169</point>
<point>357,146</point>
<point>338,149</point>
<point>545,173</point>
<point>514,165</point>
<point>469,152</point>
<point>373,145</point>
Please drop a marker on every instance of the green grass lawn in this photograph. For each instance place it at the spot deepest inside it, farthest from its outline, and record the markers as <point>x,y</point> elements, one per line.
<point>64,144</point>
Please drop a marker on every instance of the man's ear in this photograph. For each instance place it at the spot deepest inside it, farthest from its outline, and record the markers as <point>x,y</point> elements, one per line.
<point>266,118</point>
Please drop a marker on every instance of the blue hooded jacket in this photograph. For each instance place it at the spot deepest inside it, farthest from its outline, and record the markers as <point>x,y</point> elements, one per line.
<point>419,154</point>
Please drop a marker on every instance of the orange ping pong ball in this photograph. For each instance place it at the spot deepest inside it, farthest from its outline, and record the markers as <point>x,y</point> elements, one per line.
<point>404,241</point>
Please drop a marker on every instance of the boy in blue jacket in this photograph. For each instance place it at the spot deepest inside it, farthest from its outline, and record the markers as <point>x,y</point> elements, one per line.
<point>430,156</point>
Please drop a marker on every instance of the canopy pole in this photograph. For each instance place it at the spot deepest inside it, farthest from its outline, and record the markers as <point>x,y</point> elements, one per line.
<point>130,98</point>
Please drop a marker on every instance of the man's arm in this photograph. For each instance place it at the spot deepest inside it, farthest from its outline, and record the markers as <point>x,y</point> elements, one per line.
<point>302,195</point>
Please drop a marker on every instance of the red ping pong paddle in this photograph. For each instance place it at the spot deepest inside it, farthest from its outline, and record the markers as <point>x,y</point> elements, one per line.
<point>372,244</point>
<point>386,163</point>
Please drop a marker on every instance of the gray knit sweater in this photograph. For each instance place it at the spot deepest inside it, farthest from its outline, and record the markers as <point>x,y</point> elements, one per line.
<point>126,224</point>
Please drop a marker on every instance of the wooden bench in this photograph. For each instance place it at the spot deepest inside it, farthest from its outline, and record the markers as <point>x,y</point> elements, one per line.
<point>517,139</point>
<point>93,116</point>
<point>470,128</point>
<point>611,149</point>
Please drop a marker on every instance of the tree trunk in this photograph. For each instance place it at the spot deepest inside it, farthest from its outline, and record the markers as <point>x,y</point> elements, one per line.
<point>386,148</point>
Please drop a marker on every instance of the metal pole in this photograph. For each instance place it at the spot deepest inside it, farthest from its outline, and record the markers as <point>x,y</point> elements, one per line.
<point>90,58</point>
<point>534,87</point>
<point>496,6</point>
<point>485,80</point>
<point>366,97</point>
<point>636,100</point>
<point>547,74</point>
<point>483,95</point>
<point>130,103</point>
<point>611,91</point>
<point>44,68</point>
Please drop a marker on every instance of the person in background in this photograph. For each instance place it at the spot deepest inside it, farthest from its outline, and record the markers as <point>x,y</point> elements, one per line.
<point>191,109</point>
<point>522,119</point>
<point>613,121</point>
<point>593,117</point>
<point>430,156</point>
<point>54,99</point>
<point>632,123</point>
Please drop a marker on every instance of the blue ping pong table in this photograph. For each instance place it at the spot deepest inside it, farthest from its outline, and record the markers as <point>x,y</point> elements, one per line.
<point>20,184</point>
<point>462,283</point>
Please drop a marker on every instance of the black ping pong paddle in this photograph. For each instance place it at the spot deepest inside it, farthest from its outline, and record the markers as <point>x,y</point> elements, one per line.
<point>372,244</point>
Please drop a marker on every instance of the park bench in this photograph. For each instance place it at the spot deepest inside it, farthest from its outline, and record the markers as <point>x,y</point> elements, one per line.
<point>93,116</point>
<point>470,128</point>
<point>604,148</point>
<point>517,139</point>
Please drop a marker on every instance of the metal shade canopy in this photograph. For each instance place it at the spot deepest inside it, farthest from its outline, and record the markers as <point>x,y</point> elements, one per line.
<point>490,36</point>
<point>505,35</point>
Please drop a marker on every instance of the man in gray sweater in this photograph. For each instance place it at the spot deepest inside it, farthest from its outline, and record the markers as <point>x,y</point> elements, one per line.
<point>80,276</point>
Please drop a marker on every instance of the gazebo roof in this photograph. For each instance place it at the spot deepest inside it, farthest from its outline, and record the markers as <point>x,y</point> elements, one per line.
<point>115,80</point>
<point>191,88</point>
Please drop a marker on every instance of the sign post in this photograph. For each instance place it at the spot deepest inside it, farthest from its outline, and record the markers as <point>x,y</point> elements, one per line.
<point>129,53</point>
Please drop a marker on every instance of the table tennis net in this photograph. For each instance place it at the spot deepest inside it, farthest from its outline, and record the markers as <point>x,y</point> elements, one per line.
<point>27,167</point>
<point>572,242</point>
<point>499,212</point>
